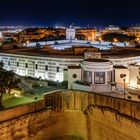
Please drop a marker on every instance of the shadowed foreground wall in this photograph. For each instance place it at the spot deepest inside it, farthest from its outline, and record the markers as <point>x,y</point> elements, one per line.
<point>45,125</point>
<point>74,115</point>
<point>107,124</point>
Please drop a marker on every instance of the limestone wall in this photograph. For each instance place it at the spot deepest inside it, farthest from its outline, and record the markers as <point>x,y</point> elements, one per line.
<point>21,110</point>
<point>77,100</point>
<point>73,115</point>
<point>46,125</point>
<point>108,124</point>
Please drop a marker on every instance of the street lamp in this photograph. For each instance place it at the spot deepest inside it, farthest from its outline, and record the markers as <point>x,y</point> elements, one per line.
<point>33,69</point>
<point>39,86</point>
<point>123,77</point>
<point>115,40</point>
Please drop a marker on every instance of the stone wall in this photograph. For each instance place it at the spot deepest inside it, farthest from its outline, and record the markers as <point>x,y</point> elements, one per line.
<point>21,110</point>
<point>107,124</point>
<point>46,125</point>
<point>73,115</point>
<point>78,100</point>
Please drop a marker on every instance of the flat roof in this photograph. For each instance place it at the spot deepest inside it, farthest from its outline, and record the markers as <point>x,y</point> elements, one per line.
<point>40,53</point>
<point>120,67</point>
<point>44,53</point>
<point>97,60</point>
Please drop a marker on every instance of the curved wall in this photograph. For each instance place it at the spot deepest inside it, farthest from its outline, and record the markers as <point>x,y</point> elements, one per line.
<point>75,115</point>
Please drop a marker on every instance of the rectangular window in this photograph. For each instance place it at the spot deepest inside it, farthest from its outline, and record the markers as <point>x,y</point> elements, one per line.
<point>9,63</point>
<point>57,69</point>
<point>46,67</point>
<point>26,65</point>
<point>87,76</point>
<point>99,77</point>
<point>17,64</point>
<point>35,66</point>
<point>109,76</point>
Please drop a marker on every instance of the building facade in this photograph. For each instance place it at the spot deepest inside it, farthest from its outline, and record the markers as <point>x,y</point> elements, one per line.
<point>70,33</point>
<point>35,66</point>
<point>49,68</point>
<point>92,71</point>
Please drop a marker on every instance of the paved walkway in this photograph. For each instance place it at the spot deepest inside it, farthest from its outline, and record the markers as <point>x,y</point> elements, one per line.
<point>128,96</point>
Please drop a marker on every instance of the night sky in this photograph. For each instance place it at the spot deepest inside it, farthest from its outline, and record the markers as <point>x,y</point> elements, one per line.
<point>64,12</point>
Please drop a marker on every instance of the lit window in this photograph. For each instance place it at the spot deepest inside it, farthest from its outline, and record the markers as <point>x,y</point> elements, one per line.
<point>99,77</point>
<point>87,76</point>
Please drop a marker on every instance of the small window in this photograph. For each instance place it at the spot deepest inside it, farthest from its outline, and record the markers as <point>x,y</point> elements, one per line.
<point>74,76</point>
<point>17,64</point>
<point>26,65</point>
<point>9,63</point>
<point>46,67</point>
<point>36,66</point>
<point>57,69</point>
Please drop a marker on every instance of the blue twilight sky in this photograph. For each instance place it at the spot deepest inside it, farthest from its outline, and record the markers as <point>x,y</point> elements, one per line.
<point>64,12</point>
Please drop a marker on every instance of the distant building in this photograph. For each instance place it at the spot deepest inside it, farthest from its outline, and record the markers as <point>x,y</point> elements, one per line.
<point>70,33</point>
<point>0,34</point>
<point>89,34</point>
<point>113,29</point>
<point>134,31</point>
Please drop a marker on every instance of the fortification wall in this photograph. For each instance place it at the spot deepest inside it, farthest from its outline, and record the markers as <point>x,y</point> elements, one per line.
<point>108,124</point>
<point>76,115</point>
<point>79,100</point>
<point>21,110</point>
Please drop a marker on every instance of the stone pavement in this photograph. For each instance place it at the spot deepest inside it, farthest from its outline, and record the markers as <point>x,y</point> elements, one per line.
<point>128,96</point>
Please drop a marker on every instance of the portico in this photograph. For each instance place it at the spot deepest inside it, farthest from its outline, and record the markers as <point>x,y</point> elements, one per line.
<point>97,71</point>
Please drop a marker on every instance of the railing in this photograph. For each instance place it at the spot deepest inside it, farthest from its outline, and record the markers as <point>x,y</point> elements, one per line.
<point>82,86</point>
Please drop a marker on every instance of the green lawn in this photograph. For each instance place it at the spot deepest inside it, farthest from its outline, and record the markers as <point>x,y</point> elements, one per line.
<point>27,97</point>
<point>13,101</point>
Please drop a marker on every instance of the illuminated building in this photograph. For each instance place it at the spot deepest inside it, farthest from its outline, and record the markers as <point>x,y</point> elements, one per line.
<point>135,76</point>
<point>70,33</point>
<point>134,31</point>
<point>113,29</point>
<point>0,34</point>
<point>89,34</point>
<point>55,67</point>
<point>61,64</point>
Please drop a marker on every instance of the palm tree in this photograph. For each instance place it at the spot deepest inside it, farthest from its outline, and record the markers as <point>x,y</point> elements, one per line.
<point>8,81</point>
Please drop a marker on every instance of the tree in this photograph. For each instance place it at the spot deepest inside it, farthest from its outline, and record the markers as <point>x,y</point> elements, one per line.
<point>8,81</point>
<point>81,37</point>
<point>117,36</point>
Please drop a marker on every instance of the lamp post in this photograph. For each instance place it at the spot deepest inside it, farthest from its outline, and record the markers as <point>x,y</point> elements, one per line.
<point>123,77</point>
<point>39,87</point>
<point>33,69</point>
